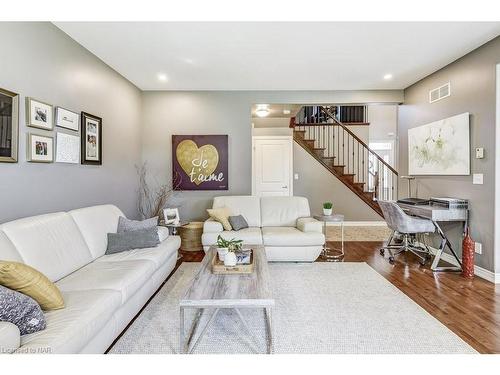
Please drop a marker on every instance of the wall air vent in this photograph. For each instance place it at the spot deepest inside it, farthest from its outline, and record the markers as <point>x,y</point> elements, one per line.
<point>439,93</point>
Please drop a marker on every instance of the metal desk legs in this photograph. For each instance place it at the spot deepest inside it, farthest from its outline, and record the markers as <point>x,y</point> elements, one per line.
<point>444,242</point>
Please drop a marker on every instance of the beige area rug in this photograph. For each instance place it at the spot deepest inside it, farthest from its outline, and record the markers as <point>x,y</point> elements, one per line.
<point>330,308</point>
<point>358,233</point>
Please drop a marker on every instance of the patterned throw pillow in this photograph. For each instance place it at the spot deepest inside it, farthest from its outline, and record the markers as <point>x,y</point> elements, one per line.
<point>127,225</point>
<point>221,215</point>
<point>238,222</point>
<point>21,310</point>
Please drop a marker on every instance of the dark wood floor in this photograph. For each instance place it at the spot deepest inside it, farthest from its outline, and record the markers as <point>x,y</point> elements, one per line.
<point>470,308</point>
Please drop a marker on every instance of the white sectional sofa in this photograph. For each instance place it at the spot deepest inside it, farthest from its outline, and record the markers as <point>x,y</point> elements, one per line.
<point>102,293</point>
<point>282,224</point>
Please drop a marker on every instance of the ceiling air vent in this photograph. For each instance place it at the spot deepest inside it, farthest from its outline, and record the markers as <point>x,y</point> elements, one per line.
<point>439,93</point>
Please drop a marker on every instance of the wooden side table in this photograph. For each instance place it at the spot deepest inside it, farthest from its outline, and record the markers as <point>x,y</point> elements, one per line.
<point>191,236</point>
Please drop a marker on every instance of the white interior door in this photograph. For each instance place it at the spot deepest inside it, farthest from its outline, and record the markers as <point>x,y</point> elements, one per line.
<point>272,166</point>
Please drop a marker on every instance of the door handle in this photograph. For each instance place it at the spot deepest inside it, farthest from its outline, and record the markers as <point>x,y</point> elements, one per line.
<point>284,187</point>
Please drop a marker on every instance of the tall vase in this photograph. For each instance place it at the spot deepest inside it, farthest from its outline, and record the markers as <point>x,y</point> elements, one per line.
<point>467,256</point>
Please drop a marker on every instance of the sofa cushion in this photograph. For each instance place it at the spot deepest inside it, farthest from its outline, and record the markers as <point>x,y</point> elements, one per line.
<point>123,276</point>
<point>221,214</point>
<point>10,337</point>
<point>52,243</point>
<point>212,226</point>
<point>283,211</point>
<point>70,329</point>
<point>246,205</point>
<point>250,236</point>
<point>290,236</point>
<point>127,225</point>
<point>238,222</point>
<point>21,310</point>
<point>159,255</point>
<point>95,223</point>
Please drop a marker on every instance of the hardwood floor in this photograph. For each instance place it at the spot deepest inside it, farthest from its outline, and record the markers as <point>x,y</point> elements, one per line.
<point>470,308</point>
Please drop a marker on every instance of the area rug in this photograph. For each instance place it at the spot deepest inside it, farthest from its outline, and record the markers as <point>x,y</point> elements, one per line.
<point>358,233</point>
<point>320,308</point>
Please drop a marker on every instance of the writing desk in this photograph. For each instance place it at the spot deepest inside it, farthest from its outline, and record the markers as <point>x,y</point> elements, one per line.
<point>438,213</point>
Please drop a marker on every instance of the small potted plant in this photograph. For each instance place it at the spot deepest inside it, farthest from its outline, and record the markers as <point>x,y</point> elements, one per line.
<point>327,208</point>
<point>226,250</point>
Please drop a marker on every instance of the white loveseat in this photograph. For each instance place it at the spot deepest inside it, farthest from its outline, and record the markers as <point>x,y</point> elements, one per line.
<point>282,224</point>
<point>102,293</point>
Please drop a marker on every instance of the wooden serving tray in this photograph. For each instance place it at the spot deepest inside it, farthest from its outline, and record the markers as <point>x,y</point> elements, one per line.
<point>218,267</point>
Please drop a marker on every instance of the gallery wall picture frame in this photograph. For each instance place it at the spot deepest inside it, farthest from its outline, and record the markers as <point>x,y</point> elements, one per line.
<point>39,114</point>
<point>9,126</point>
<point>67,119</point>
<point>67,148</point>
<point>91,139</point>
<point>40,148</point>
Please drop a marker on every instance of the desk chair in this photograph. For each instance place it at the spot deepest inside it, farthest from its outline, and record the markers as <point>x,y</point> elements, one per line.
<point>410,227</point>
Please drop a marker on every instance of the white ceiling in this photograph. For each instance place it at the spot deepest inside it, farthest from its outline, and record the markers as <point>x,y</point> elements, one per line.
<point>278,56</point>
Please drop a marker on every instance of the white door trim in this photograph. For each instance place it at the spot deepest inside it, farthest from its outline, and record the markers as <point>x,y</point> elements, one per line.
<point>496,254</point>
<point>272,137</point>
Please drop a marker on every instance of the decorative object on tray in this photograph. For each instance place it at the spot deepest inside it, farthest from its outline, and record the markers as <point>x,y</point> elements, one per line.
<point>91,139</point>
<point>327,208</point>
<point>39,114</point>
<point>224,247</point>
<point>191,236</point>
<point>40,148</point>
<point>9,126</point>
<point>440,147</point>
<point>242,263</point>
<point>200,162</point>
<point>67,119</point>
<point>67,148</point>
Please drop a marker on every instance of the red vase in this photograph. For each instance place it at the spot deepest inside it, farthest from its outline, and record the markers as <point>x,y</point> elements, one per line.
<point>467,256</point>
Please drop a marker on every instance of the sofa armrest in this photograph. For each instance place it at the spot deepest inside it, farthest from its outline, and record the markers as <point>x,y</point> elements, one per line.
<point>10,337</point>
<point>309,224</point>
<point>212,226</point>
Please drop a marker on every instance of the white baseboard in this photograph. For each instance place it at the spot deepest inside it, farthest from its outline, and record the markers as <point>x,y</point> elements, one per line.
<point>478,271</point>
<point>359,224</point>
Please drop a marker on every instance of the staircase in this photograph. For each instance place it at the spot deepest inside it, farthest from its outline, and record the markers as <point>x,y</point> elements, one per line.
<point>345,155</point>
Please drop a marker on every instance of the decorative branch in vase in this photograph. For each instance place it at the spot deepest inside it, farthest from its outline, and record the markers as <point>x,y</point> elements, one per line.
<point>152,200</point>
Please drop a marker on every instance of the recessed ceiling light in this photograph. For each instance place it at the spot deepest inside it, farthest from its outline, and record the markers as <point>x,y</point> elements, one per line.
<point>262,110</point>
<point>162,77</point>
<point>388,76</point>
<point>286,111</point>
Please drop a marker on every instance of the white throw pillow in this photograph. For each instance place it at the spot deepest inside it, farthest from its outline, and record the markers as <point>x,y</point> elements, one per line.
<point>163,233</point>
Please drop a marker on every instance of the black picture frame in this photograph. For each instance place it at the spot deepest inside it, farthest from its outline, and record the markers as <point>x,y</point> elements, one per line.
<point>89,119</point>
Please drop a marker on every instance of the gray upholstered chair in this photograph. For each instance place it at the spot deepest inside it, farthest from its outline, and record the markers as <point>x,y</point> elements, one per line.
<point>411,229</point>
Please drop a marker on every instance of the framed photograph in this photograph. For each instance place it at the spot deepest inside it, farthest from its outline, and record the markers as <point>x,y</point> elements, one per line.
<point>67,119</point>
<point>40,148</point>
<point>171,216</point>
<point>39,114</point>
<point>9,126</point>
<point>67,148</point>
<point>91,139</point>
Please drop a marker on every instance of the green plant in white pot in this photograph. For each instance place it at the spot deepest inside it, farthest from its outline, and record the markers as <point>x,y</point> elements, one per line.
<point>327,208</point>
<point>226,250</point>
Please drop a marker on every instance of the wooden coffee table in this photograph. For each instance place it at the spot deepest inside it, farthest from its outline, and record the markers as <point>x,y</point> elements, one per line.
<point>210,293</point>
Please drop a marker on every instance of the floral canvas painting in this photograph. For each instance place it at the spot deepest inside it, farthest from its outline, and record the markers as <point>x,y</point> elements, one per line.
<point>440,148</point>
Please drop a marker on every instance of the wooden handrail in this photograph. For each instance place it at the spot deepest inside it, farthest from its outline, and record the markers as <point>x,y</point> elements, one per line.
<point>346,129</point>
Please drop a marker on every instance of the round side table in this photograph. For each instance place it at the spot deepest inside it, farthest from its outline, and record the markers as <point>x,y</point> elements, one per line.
<point>331,254</point>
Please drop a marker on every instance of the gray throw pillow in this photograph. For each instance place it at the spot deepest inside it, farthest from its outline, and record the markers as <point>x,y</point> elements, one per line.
<point>137,239</point>
<point>238,222</point>
<point>127,225</point>
<point>21,310</point>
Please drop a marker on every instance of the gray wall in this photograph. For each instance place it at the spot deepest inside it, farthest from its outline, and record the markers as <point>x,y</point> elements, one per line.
<point>220,112</point>
<point>40,61</point>
<point>472,90</point>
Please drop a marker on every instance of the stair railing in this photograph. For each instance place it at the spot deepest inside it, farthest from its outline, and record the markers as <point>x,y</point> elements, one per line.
<point>335,143</point>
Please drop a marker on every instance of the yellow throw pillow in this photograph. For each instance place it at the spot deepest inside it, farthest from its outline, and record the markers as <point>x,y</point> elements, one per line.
<point>27,280</point>
<point>221,215</point>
